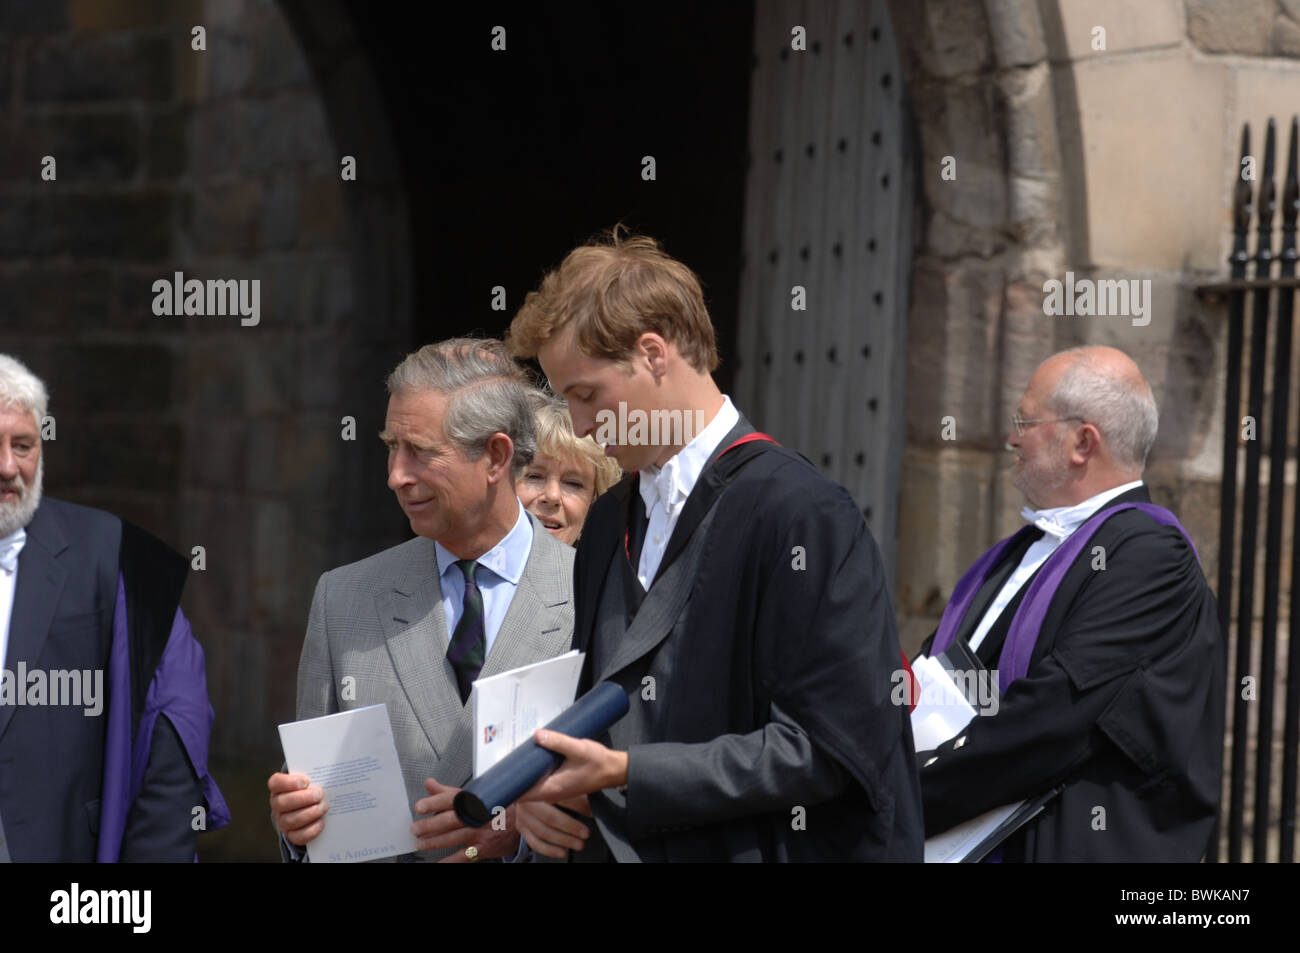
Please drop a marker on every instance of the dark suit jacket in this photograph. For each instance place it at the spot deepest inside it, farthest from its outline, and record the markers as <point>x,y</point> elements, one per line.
<point>759,666</point>
<point>52,757</point>
<point>1123,704</point>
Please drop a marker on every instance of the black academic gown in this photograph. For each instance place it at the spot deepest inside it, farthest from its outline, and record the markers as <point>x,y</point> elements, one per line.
<point>52,792</point>
<point>1123,704</point>
<point>760,666</point>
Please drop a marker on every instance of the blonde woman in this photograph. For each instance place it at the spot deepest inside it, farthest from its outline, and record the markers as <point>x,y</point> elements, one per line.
<point>566,475</point>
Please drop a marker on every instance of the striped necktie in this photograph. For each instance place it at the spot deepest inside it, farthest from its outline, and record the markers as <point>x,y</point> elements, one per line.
<point>469,643</point>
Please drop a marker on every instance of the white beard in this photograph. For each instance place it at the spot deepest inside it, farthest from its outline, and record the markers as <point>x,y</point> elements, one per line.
<point>14,516</point>
<point>1039,478</point>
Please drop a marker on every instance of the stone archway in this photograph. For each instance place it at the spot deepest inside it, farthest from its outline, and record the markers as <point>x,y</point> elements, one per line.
<point>982,90</point>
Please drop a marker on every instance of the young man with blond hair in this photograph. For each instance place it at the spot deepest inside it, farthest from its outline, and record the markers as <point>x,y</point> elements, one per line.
<point>732,590</point>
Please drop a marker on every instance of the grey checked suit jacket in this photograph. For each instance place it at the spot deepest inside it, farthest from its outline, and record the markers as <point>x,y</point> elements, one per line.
<point>380,622</point>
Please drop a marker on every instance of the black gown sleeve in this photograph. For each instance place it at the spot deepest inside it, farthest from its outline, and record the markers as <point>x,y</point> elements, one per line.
<point>159,827</point>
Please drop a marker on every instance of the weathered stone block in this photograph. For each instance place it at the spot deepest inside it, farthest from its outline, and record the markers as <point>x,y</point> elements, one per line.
<point>114,378</point>
<point>1242,26</point>
<point>122,14</point>
<point>132,225</point>
<point>273,548</point>
<point>278,61</point>
<point>1152,183</point>
<point>322,217</point>
<point>280,209</point>
<point>140,455</point>
<point>53,297</point>
<point>227,218</point>
<point>1016,32</point>
<point>320,383</point>
<point>1029,108</point>
<point>1129,26</point>
<point>34,16</point>
<point>960,128</point>
<point>216,141</point>
<point>214,375</point>
<point>222,525</point>
<point>96,67</point>
<point>229,62</point>
<point>218,454</point>
<point>166,146</point>
<point>954,317</point>
<point>91,147</point>
<point>1286,37</point>
<point>956,40</point>
<point>946,519</point>
<point>6,67</point>
<point>269,379</point>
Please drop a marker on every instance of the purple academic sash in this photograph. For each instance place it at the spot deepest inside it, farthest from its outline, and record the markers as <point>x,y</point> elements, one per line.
<point>179,691</point>
<point>1013,662</point>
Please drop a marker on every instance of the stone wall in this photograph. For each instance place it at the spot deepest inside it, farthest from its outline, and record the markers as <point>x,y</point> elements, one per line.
<point>217,163</point>
<point>1114,163</point>
<point>1099,138</point>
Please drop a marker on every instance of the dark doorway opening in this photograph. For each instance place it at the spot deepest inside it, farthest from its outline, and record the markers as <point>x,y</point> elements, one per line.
<point>512,157</point>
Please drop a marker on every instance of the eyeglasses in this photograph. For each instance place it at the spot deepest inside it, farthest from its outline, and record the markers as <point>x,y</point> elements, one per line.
<point>1022,424</point>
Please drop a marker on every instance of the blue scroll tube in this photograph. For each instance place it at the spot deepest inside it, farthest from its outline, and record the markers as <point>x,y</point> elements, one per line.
<point>503,783</point>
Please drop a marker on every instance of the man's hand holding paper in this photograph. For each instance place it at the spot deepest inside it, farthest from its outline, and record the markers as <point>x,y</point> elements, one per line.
<point>353,761</point>
<point>298,809</point>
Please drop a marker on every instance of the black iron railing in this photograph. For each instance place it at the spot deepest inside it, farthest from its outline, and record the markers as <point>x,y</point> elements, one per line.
<point>1240,555</point>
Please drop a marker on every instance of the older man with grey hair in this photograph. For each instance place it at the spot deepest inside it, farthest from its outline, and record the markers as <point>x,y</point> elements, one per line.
<point>1095,627</point>
<point>104,713</point>
<point>482,588</point>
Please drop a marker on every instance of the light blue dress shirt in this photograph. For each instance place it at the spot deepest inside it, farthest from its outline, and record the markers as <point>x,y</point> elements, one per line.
<point>498,574</point>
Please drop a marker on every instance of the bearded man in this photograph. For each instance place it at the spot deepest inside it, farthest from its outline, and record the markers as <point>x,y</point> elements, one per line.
<point>104,713</point>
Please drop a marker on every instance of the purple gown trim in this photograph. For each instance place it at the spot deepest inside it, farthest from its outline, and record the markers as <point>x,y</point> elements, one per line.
<point>178,690</point>
<point>1013,662</point>
<point>115,799</point>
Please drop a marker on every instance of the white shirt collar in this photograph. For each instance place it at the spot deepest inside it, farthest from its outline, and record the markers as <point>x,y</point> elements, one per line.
<point>672,483</point>
<point>10,547</point>
<point>1061,521</point>
<point>507,558</point>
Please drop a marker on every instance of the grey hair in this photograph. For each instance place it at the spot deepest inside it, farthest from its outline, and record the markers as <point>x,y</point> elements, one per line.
<point>20,388</point>
<point>487,392</point>
<point>1123,409</point>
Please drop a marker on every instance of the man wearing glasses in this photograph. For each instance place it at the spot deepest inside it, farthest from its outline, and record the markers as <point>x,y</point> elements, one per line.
<point>1096,626</point>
